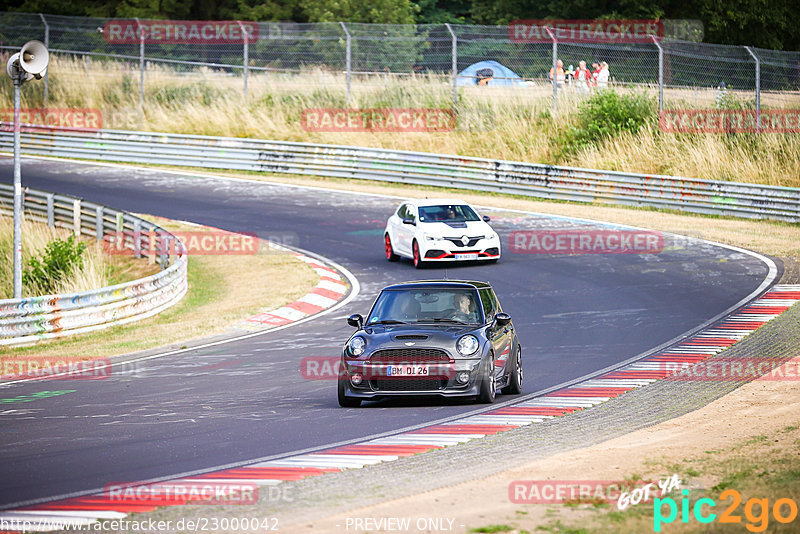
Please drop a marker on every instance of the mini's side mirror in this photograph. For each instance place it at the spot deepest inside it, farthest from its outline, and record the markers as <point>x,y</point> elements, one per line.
<point>356,320</point>
<point>486,218</point>
<point>409,221</point>
<point>502,319</point>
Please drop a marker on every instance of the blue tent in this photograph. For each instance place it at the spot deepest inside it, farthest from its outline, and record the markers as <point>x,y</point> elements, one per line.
<point>503,76</point>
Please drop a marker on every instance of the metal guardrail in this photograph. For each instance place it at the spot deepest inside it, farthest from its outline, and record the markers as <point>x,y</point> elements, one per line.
<point>31,319</point>
<point>460,172</point>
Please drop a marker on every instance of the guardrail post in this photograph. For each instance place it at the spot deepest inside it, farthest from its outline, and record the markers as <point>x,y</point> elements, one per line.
<point>164,248</point>
<point>172,255</point>
<point>455,62</point>
<point>46,45</point>
<point>51,219</point>
<point>120,237</point>
<point>758,88</point>
<point>137,239</point>
<point>555,70</point>
<point>76,217</point>
<point>98,223</point>
<point>151,245</point>
<point>348,60</point>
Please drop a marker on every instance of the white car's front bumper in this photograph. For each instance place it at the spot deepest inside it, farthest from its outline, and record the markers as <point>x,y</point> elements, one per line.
<point>447,250</point>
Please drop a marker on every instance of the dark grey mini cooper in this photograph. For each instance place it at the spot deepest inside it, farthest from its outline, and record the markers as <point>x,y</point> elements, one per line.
<point>445,338</point>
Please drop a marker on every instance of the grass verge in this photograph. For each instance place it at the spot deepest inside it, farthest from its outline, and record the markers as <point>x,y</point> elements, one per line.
<point>222,290</point>
<point>99,269</point>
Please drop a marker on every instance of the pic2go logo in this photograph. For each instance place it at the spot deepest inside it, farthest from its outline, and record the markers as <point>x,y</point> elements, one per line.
<point>756,511</point>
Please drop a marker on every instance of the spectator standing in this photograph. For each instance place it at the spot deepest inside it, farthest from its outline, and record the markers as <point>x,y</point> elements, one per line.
<point>602,76</point>
<point>595,72</point>
<point>559,73</point>
<point>583,78</point>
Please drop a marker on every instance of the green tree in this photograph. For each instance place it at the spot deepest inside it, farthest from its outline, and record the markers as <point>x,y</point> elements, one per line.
<point>376,11</point>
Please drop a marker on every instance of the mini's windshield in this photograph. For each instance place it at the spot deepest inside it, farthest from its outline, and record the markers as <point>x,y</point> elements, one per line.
<point>426,305</point>
<point>447,213</point>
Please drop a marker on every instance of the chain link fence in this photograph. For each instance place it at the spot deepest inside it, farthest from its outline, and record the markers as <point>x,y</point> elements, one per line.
<point>353,56</point>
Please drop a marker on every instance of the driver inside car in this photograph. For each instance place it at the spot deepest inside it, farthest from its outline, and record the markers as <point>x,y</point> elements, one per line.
<point>464,309</point>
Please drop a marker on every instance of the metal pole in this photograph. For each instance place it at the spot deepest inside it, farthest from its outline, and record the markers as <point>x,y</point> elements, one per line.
<point>47,45</point>
<point>141,64</point>
<point>455,62</point>
<point>17,192</point>
<point>246,39</point>
<point>660,75</point>
<point>758,88</point>
<point>555,70</point>
<point>349,59</point>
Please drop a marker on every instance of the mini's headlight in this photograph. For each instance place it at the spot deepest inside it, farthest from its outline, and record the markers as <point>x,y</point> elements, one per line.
<point>467,345</point>
<point>356,346</point>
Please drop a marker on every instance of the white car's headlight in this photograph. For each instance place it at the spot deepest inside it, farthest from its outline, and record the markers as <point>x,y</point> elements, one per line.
<point>467,345</point>
<point>356,346</point>
<point>431,237</point>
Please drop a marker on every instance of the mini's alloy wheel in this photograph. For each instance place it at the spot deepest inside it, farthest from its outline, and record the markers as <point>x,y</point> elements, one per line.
<point>390,255</point>
<point>514,386</point>
<point>488,390</point>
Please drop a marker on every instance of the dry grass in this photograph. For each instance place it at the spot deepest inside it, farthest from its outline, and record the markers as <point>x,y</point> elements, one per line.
<point>222,291</point>
<point>493,122</point>
<point>99,269</point>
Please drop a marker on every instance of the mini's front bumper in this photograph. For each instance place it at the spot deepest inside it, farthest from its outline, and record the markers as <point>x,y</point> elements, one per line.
<point>441,380</point>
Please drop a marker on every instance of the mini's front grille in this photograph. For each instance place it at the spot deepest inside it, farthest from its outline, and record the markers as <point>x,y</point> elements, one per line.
<point>404,356</point>
<point>409,384</point>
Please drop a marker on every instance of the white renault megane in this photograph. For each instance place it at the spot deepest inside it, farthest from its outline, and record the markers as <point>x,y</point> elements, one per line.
<point>439,230</point>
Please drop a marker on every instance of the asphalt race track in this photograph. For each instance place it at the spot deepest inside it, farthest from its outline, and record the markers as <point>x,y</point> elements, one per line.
<point>247,400</point>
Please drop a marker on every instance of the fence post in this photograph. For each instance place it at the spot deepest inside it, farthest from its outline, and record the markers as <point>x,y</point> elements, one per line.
<point>660,75</point>
<point>98,223</point>
<point>555,70</point>
<point>758,87</point>
<point>46,45</point>
<point>141,65</point>
<point>349,61</point>
<point>51,217</point>
<point>76,217</point>
<point>137,239</point>
<point>455,62</point>
<point>246,53</point>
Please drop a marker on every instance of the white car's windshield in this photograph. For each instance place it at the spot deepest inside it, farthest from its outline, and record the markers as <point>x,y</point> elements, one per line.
<point>426,305</point>
<point>447,213</point>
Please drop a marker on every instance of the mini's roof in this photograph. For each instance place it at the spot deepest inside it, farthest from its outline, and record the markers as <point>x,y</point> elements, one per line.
<point>438,284</point>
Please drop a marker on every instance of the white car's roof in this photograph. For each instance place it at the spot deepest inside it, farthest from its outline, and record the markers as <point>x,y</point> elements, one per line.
<point>435,201</point>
